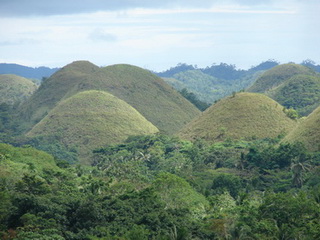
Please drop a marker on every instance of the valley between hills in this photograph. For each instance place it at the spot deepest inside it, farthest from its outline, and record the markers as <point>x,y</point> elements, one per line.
<point>121,152</point>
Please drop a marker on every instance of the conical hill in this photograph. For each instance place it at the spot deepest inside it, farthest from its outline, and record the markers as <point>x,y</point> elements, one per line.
<point>54,89</point>
<point>277,75</point>
<point>92,119</point>
<point>300,92</point>
<point>307,132</point>
<point>242,116</point>
<point>150,95</point>
<point>292,85</point>
<point>146,92</point>
<point>15,89</point>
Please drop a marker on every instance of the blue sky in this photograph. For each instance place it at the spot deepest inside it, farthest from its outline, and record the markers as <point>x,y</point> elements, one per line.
<point>158,34</point>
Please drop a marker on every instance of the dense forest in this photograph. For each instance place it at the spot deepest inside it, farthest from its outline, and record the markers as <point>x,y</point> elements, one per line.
<point>70,167</point>
<point>162,187</point>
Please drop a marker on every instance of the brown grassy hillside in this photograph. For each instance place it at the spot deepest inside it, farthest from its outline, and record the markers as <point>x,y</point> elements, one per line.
<point>243,116</point>
<point>146,92</point>
<point>15,89</point>
<point>277,75</point>
<point>92,119</point>
<point>307,132</point>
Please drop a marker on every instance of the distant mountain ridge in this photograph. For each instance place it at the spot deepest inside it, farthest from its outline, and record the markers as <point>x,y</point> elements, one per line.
<point>27,72</point>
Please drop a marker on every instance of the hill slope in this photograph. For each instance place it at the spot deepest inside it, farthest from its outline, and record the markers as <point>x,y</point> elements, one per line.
<point>55,88</point>
<point>92,119</point>
<point>277,75</point>
<point>15,89</point>
<point>146,92</point>
<point>292,85</point>
<point>150,95</point>
<point>307,132</point>
<point>243,116</point>
<point>301,92</point>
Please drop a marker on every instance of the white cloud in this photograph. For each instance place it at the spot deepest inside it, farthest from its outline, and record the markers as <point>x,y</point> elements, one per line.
<point>240,32</point>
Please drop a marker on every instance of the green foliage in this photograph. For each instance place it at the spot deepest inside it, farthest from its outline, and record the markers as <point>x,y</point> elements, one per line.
<point>149,155</point>
<point>227,183</point>
<point>214,82</point>
<point>53,146</point>
<point>271,157</point>
<point>291,214</point>
<point>291,113</point>
<point>161,187</point>
<point>176,193</point>
<point>209,88</point>
<point>194,100</point>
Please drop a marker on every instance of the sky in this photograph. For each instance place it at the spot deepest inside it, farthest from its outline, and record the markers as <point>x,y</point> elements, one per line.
<point>159,34</point>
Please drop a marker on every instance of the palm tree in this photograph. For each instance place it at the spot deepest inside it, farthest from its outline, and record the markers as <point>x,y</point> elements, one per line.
<point>298,169</point>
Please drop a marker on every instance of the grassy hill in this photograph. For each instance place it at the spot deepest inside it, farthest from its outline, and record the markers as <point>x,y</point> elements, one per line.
<point>292,85</point>
<point>150,95</point>
<point>92,119</point>
<point>54,89</point>
<point>242,116</point>
<point>25,159</point>
<point>15,89</point>
<point>301,92</point>
<point>307,132</point>
<point>146,92</point>
<point>277,75</point>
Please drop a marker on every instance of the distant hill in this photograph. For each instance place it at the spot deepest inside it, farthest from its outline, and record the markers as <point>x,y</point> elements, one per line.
<point>292,85</point>
<point>204,86</point>
<point>15,89</point>
<point>301,92</point>
<point>208,88</point>
<point>212,83</point>
<point>277,75</point>
<point>146,92</point>
<point>307,132</point>
<point>54,89</point>
<point>27,72</point>
<point>242,116</point>
<point>311,64</point>
<point>24,159</point>
<point>92,119</point>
